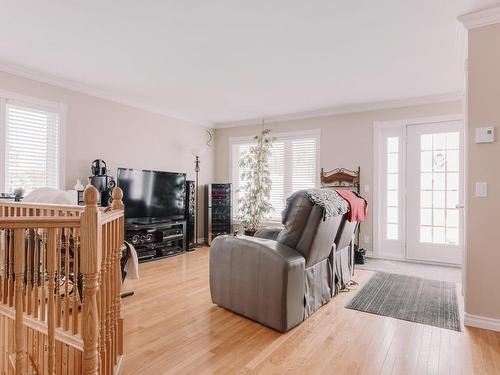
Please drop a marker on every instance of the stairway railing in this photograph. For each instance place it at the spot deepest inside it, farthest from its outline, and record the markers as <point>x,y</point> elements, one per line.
<point>60,287</point>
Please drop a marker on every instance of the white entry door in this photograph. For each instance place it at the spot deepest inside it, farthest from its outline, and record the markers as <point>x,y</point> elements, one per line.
<point>434,192</point>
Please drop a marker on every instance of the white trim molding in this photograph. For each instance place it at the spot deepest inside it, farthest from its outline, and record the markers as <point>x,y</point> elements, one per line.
<point>481,18</point>
<point>482,322</point>
<point>340,110</point>
<point>39,76</point>
<point>382,129</point>
<point>68,84</point>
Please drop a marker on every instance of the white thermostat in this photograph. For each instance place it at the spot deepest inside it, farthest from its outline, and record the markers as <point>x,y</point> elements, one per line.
<point>485,135</point>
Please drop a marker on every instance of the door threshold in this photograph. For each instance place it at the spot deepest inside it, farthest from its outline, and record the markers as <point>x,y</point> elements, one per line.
<point>416,261</point>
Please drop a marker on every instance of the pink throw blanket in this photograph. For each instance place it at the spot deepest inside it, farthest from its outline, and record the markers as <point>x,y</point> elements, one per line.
<point>357,205</point>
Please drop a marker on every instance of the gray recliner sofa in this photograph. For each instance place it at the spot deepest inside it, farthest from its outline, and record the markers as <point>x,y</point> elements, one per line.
<point>280,276</point>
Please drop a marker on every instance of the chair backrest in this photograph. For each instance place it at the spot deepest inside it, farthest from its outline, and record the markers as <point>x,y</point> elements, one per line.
<point>345,233</point>
<point>305,231</point>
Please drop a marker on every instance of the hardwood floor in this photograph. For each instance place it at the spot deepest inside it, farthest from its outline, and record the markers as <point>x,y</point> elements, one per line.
<point>172,327</point>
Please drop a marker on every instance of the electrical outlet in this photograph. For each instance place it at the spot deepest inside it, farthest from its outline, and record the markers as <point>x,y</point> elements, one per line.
<point>367,239</point>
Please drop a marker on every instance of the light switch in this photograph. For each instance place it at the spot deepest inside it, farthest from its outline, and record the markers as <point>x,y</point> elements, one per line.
<point>367,188</point>
<point>481,189</point>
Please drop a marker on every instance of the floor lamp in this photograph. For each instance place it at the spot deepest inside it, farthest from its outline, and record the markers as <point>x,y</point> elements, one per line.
<point>197,153</point>
<point>197,171</point>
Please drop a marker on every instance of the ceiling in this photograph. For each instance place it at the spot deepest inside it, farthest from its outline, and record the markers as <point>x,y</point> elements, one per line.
<point>215,62</point>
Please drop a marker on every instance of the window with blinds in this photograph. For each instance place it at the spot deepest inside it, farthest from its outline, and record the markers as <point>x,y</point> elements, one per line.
<point>294,166</point>
<point>32,147</point>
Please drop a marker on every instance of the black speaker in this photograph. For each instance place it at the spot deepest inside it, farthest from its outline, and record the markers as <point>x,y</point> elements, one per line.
<point>190,212</point>
<point>105,186</point>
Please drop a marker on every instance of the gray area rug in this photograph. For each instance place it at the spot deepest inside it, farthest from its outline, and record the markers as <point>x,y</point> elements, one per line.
<point>410,298</point>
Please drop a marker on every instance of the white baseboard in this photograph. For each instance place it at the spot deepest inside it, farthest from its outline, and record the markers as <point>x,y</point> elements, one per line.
<point>373,255</point>
<point>482,322</point>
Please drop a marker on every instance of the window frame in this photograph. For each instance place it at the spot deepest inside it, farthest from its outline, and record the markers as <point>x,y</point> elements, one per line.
<point>292,135</point>
<point>7,97</point>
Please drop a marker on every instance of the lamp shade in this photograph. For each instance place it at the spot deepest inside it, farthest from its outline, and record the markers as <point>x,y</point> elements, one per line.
<point>199,151</point>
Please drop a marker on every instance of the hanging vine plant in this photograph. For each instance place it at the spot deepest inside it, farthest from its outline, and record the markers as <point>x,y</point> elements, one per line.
<point>254,206</point>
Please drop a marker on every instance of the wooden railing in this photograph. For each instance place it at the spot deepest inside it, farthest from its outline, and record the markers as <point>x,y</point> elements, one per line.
<point>60,287</point>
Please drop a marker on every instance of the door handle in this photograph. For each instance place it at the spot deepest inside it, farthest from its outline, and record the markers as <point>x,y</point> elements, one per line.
<point>460,205</point>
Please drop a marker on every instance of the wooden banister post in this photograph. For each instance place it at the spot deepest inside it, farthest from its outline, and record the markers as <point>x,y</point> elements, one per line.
<point>21,359</point>
<point>90,265</point>
<point>51,313</point>
<point>117,203</point>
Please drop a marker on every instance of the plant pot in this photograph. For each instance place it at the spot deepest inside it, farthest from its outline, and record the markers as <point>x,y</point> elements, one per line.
<point>250,232</point>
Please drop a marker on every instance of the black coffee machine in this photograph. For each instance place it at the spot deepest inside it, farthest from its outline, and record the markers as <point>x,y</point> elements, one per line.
<point>102,182</point>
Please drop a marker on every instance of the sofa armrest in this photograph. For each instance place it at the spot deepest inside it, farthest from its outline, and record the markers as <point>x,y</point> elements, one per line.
<point>258,278</point>
<point>269,233</point>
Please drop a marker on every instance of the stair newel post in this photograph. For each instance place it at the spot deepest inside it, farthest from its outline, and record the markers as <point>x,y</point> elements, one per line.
<point>90,265</point>
<point>118,205</point>
<point>21,359</point>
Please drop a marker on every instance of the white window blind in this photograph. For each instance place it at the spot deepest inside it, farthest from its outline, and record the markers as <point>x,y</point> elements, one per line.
<point>32,147</point>
<point>294,166</point>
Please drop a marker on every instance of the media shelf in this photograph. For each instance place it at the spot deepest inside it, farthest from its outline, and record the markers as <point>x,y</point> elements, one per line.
<point>157,240</point>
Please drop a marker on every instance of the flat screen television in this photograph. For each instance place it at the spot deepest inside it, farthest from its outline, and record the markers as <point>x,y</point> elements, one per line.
<point>152,196</point>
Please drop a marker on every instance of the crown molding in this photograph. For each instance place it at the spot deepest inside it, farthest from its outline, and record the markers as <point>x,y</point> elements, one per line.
<point>53,80</point>
<point>481,18</point>
<point>68,84</point>
<point>341,110</point>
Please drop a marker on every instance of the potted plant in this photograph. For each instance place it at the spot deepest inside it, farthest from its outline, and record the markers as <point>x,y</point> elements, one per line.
<point>254,205</point>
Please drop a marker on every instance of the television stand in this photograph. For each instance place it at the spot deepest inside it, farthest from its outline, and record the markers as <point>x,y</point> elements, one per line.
<point>154,241</point>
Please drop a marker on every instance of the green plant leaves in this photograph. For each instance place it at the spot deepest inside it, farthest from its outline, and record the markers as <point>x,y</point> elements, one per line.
<point>255,204</point>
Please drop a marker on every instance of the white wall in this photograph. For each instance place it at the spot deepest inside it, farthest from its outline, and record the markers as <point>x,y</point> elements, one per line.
<point>121,135</point>
<point>346,141</point>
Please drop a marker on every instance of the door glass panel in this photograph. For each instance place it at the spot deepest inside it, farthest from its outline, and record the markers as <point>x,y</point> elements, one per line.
<point>392,198</point>
<point>452,218</point>
<point>453,141</point>
<point>426,181</point>
<point>426,161</point>
<point>438,199</point>
<point>426,199</point>
<point>426,142</point>
<point>452,180</point>
<point>439,188</point>
<point>392,162</point>
<point>425,234</point>
<point>438,217</point>
<point>439,181</point>
<point>439,141</point>
<point>392,214</point>
<point>426,216</point>
<point>392,231</point>
<point>392,177</point>
<point>392,181</point>
<point>438,235</point>
<point>452,236</point>
<point>452,160</point>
